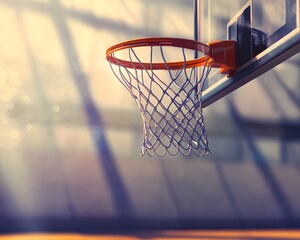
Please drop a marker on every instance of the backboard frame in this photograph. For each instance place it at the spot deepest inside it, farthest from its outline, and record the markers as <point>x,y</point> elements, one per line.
<point>275,54</point>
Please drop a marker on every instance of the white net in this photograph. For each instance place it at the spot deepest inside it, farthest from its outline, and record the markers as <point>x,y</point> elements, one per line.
<point>169,101</point>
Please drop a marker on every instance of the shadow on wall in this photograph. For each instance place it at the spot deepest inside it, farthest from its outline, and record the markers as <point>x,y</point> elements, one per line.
<point>196,194</point>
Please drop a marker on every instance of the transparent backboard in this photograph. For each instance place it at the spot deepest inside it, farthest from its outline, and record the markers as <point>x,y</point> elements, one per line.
<point>267,33</point>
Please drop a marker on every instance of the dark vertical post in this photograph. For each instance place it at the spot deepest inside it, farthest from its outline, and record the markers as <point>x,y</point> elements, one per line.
<point>196,35</point>
<point>196,38</point>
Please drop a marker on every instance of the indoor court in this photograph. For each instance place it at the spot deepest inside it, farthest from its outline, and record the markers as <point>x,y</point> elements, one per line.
<point>167,235</point>
<point>155,120</point>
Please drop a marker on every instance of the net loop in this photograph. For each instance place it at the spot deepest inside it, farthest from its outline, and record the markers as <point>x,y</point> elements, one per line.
<point>169,101</point>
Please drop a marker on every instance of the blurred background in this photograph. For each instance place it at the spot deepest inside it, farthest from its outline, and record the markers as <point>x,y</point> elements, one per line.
<point>71,134</point>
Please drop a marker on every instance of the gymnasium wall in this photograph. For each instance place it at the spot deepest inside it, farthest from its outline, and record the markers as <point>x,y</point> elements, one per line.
<point>71,134</point>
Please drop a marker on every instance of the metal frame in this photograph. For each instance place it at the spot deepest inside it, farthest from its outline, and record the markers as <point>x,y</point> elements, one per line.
<point>277,53</point>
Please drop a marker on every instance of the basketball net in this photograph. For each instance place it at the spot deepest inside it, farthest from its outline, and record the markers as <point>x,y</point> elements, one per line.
<point>169,102</point>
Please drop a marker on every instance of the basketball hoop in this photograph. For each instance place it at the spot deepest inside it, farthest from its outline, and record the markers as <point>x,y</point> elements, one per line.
<point>168,93</point>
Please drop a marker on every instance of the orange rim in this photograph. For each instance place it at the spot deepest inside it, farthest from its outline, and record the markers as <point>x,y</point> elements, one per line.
<point>173,42</point>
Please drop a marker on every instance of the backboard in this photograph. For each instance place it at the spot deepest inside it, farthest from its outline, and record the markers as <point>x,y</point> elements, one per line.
<point>267,33</point>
